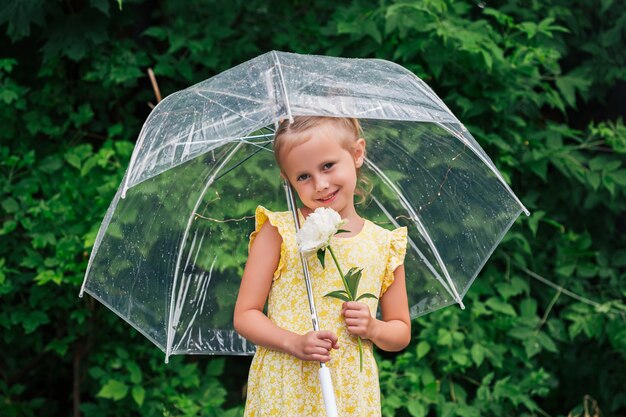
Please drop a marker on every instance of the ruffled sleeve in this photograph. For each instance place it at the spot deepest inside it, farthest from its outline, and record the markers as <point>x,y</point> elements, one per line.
<point>395,256</point>
<point>261,216</point>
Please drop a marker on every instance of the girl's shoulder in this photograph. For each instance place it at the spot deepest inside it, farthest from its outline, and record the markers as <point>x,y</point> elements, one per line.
<point>398,235</point>
<point>282,220</point>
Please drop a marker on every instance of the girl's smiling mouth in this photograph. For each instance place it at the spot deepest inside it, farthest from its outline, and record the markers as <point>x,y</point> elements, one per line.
<point>329,198</point>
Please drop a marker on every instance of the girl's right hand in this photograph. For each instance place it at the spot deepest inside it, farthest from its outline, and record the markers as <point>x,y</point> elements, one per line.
<point>314,346</point>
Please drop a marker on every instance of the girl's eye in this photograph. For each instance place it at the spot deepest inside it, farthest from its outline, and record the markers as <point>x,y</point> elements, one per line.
<point>328,165</point>
<point>302,177</point>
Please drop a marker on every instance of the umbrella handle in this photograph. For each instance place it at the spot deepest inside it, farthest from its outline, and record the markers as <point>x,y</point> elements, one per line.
<point>327,392</point>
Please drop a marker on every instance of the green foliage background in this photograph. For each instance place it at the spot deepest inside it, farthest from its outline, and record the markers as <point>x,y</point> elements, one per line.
<point>540,84</point>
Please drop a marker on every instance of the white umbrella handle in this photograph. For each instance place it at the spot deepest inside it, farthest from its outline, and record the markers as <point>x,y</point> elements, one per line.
<point>327,384</point>
<point>327,392</point>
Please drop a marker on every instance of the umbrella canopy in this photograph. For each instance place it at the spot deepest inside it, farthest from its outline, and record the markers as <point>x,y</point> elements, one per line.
<point>170,252</point>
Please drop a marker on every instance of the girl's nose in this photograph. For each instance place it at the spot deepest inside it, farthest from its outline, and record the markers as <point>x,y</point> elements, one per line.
<point>321,184</point>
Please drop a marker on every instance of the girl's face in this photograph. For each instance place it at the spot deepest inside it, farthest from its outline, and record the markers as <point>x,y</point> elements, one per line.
<point>322,171</point>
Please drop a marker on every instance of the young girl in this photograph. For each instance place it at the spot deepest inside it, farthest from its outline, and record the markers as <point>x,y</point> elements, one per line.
<point>320,157</point>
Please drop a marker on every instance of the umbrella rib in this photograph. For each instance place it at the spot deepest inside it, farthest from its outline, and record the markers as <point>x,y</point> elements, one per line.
<point>243,116</point>
<point>173,142</point>
<point>266,135</point>
<point>420,227</point>
<point>316,77</point>
<point>205,287</point>
<point>411,157</point>
<point>193,245</point>
<point>259,149</point>
<point>179,300</point>
<point>203,292</point>
<point>430,266</point>
<point>215,143</point>
<point>486,161</point>
<point>239,96</point>
<point>182,338</point>
<point>133,159</point>
<point>170,335</point>
<point>278,65</point>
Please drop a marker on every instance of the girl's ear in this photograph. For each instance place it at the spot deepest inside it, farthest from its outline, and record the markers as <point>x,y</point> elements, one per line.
<point>359,152</point>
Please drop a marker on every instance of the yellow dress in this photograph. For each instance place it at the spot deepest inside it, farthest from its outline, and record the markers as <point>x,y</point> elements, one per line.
<point>282,385</point>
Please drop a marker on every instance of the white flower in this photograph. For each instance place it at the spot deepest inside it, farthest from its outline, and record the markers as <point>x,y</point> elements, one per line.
<point>318,229</point>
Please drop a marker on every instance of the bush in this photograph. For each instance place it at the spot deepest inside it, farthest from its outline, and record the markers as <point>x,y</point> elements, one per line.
<point>540,86</point>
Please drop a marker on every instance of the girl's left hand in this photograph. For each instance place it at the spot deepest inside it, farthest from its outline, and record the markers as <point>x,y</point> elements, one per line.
<point>358,319</point>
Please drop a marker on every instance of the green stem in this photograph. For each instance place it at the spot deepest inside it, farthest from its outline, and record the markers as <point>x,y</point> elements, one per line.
<point>351,296</point>
<point>360,354</point>
<point>343,279</point>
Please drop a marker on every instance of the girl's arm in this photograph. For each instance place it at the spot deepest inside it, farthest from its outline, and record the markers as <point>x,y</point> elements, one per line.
<point>393,332</point>
<point>253,324</point>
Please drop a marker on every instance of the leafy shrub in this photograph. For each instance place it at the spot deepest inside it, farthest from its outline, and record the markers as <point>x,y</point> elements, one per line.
<point>540,86</point>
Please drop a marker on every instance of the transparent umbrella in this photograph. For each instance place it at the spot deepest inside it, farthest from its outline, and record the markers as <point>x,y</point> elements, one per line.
<point>170,252</point>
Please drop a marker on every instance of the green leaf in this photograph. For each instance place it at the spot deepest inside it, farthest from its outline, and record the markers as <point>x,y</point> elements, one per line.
<point>135,372</point>
<point>416,409</point>
<point>33,320</point>
<point>533,221</point>
<point>156,32</point>
<point>321,256</point>
<point>464,410</point>
<point>51,164</point>
<point>606,5</point>
<point>76,155</point>
<point>423,348</point>
<point>10,205</point>
<point>528,308</point>
<point>187,370</point>
<point>546,342</point>
<point>444,337</point>
<point>139,394</point>
<point>7,227</point>
<point>49,275</point>
<point>531,346</point>
<point>74,35</point>
<point>459,357</point>
<point>341,294</point>
<point>8,96</point>
<point>609,184</point>
<point>619,177</point>
<point>113,390</point>
<point>366,295</point>
<point>102,5</point>
<point>20,15</point>
<point>353,277</point>
<point>370,28</point>
<point>569,84</point>
<point>7,64</point>
<point>501,306</point>
<point>478,354</point>
<point>599,162</point>
<point>594,180</point>
<point>431,391</point>
<point>215,367</point>
<point>83,115</point>
<point>89,164</point>
<point>121,352</point>
<point>512,288</point>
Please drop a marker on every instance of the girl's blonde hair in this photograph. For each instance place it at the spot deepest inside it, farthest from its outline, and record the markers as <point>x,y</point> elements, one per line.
<point>302,124</point>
